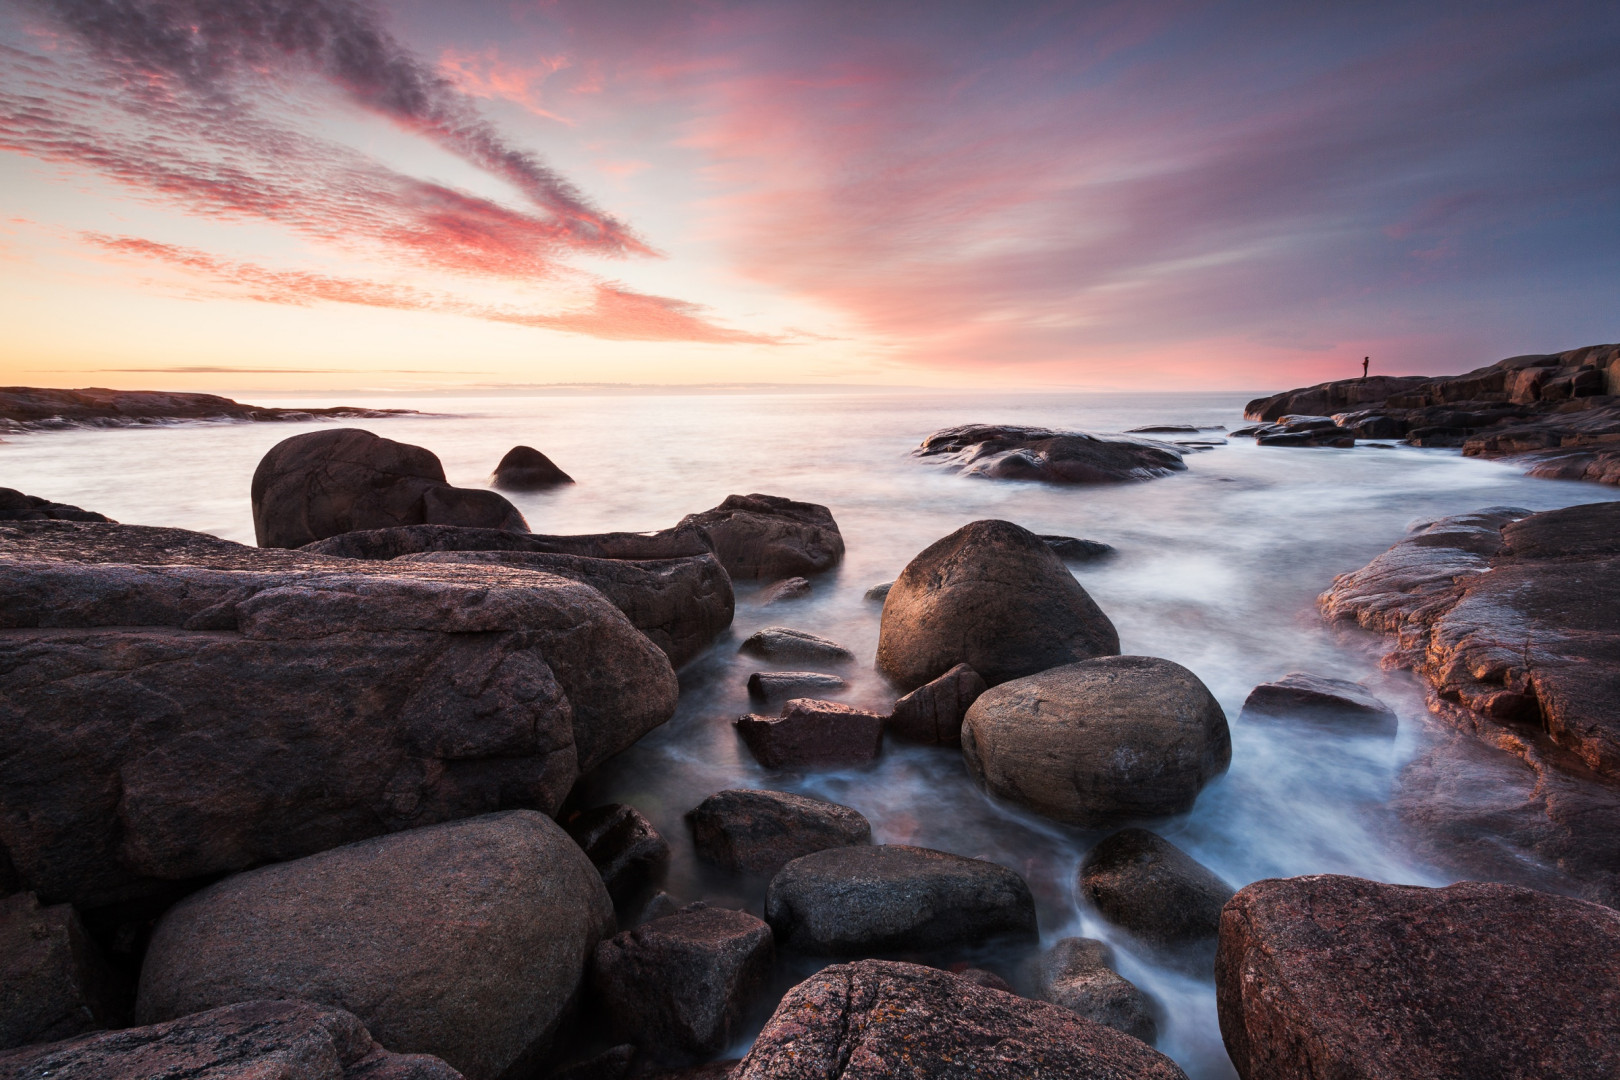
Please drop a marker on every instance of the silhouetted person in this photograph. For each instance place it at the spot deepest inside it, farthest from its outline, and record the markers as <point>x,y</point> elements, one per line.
<point>1366,361</point>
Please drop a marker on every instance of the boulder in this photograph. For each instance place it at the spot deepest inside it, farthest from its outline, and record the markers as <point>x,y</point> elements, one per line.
<point>323,483</point>
<point>785,646</point>
<point>251,1040</point>
<point>876,1019</point>
<point>1099,741</point>
<point>1072,549</point>
<point>1078,974</point>
<point>1143,883</point>
<point>467,940</point>
<point>1003,452</point>
<point>995,597</point>
<point>623,846</point>
<point>678,987</point>
<point>759,832</point>
<point>812,732</point>
<point>54,981</point>
<point>15,506</point>
<point>1339,976</point>
<point>933,712</point>
<point>179,707</point>
<point>775,686</point>
<point>879,592</point>
<point>526,469</point>
<point>852,900</point>
<point>766,536</point>
<point>792,588</point>
<point>1304,696</point>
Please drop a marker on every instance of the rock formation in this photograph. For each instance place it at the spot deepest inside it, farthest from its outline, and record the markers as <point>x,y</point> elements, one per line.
<point>15,506</point>
<point>1078,974</point>
<point>772,687</point>
<point>1002,452</point>
<point>1303,696</point>
<point>933,712</point>
<point>33,408</point>
<point>526,469</point>
<point>759,832</point>
<point>812,732</point>
<point>624,847</point>
<point>785,645</point>
<point>54,981</point>
<point>1142,882</point>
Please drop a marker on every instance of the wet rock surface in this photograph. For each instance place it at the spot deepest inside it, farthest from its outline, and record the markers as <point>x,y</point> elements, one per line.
<point>1143,883</point>
<point>324,483</point>
<point>875,1018</point>
<point>678,987</point>
<point>850,900</point>
<point>1302,431</point>
<point>54,981</point>
<point>778,686</point>
<point>179,706</point>
<point>813,732</point>
<point>1002,452</point>
<point>767,536</point>
<point>33,408</point>
<point>1099,741</point>
<point>933,712</point>
<point>1339,976</point>
<point>467,940</point>
<point>15,506</point>
<point>993,596</point>
<point>623,846</point>
<point>1301,695</point>
<point>793,588</point>
<point>759,832</point>
<point>526,469</point>
<point>784,645</point>
<point>1079,975</point>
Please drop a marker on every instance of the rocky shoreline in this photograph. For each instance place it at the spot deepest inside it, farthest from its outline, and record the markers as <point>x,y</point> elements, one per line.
<point>31,408</point>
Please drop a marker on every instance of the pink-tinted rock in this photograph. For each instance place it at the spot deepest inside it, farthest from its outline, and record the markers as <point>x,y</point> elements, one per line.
<point>812,732</point>
<point>759,832</point>
<point>767,536</point>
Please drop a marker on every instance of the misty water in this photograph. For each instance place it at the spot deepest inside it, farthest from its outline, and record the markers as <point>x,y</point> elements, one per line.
<point>1217,569</point>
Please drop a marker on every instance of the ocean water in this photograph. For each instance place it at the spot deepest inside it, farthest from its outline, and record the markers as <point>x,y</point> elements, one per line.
<point>1217,569</point>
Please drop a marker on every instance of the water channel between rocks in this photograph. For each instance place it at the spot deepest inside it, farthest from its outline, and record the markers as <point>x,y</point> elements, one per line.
<point>1217,569</point>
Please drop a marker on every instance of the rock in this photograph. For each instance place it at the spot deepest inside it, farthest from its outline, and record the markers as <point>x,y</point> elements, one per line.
<point>421,539</point>
<point>933,712</point>
<point>54,981</point>
<point>765,536</point>
<point>467,940</point>
<point>1301,695</point>
<point>874,1018</point>
<point>775,686</point>
<point>1079,975</point>
<point>854,900</point>
<point>526,469</point>
<point>812,732</point>
<point>1168,429</point>
<point>980,977</point>
<point>711,1070</point>
<point>252,1040</point>
<point>993,596</point>
<point>1099,741</point>
<point>15,506</point>
<point>323,483</point>
<point>1072,549</point>
<point>879,592</point>
<point>1302,431</point>
<point>180,707</point>
<point>678,987</point>
<point>759,832</point>
<point>1142,882</point>
<point>785,646</point>
<point>623,846</point>
<point>1003,452</point>
<point>33,408</point>
<point>1338,976</point>
<point>658,906</point>
<point>611,1064</point>
<point>787,589</point>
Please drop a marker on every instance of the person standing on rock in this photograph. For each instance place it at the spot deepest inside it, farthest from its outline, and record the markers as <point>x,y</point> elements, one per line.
<point>1366,362</point>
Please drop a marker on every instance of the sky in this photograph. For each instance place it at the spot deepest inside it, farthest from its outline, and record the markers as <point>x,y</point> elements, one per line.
<point>1148,195</point>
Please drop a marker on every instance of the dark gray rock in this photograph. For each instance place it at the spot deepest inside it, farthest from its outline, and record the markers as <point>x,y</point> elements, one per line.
<point>759,832</point>
<point>879,592</point>
<point>1072,549</point>
<point>54,982</point>
<point>1003,452</point>
<point>766,536</point>
<point>813,732</point>
<point>1142,882</point>
<point>852,900</point>
<point>526,469</point>
<point>611,1064</point>
<point>778,686</point>
<point>623,846</point>
<point>1305,696</point>
<point>933,712</point>
<point>678,987</point>
<point>1078,974</point>
<point>995,597</point>
<point>792,588</point>
<point>15,506</point>
<point>1100,741</point>
<point>877,1019</point>
<point>420,539</point>
<point>467,941</point>
<point>786,646</point>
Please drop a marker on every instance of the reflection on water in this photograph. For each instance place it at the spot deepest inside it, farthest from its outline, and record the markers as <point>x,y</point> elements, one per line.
<point>1217,569</point>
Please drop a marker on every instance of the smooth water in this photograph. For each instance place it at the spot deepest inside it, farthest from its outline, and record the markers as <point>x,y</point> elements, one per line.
<point>1218,569</point>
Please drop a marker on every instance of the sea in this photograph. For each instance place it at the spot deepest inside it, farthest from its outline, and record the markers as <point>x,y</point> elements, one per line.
<point>1217,568</point>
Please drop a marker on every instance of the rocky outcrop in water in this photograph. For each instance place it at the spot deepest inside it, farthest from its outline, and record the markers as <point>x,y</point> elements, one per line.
<point>1078,974</point>
<point>178,706</point>
<point>54,981</point>
<point>784,645</point>
<point>33,408</point>
<point>526,469</point>
<point>1003,452</point>
<point>1142,882</point>
<point>759,832</point>
<point>1302,696</point>
<point>812,732</point>
<point>995,597</point>
<point>1338,976</point>
<point>874,1019</point>
<point>15,506</point>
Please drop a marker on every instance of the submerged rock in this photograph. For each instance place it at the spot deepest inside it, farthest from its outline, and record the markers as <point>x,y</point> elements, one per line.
<point>1099,741</point>
<point>787,646</point>
<point>850,900</point>
<point>933,712</point>
<point>1304,696</point>
<point>875,1018</point>
<point>623,846</point>
<point>775,686</point>
<point>1079,975</point>
<point>792,588</point>
<point>759,832</point>
<point>1072,549</point>
<point>466,941</point>
<point>1338,976</point>
<point>15,506</point>
<point>1003,452</point>
<point>54,982</point>
<point>993,596</point>
<point>812,732</point>
<point>526,469</point>
<point>1142,882</point>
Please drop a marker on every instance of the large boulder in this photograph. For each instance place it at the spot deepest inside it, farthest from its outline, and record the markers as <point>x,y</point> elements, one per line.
<point>1006,452</point>
<point>467,940</point>
<point>766,536</point>
<point>252,1040</point>
<point>759,832</point>
<point>852,900</point>
<point>933,712</point>
<point>323,483</point>
<point>678,987</point>
<point>526,469</point>
<point>180,707</point>
<point>54,982</point>
<point>812,732</point>
<point>1142,882</point>
<point>1099,741</point>
<point>877,1019</point>
<point>993,596</point>
<point>1078,974</point>
<point>1317,698</point>
<point>1339,976</point>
